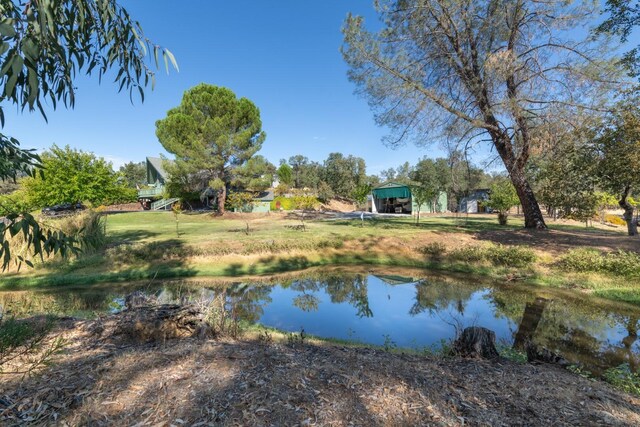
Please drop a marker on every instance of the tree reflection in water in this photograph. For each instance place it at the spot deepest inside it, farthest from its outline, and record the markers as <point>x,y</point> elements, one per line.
<point>584,330</point>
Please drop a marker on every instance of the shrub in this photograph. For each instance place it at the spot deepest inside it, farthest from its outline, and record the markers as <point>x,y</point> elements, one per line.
<point>15,202</point>
<point>286,203</point>
<point>435,250</point>
<point>614,219</point>
<point>498,255</point>
<point>581,259</point>
<point>511,256</point>
<point>87,227</point>
<point>622,263</point>
<point>623,378</point>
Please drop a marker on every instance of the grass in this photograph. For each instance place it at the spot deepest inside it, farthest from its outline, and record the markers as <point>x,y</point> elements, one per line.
<point>145,245</point>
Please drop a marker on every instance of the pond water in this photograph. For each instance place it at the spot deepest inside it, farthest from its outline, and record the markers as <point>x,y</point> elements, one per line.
<point>414,309</point>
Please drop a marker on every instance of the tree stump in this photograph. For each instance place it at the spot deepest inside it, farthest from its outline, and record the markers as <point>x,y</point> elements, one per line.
<point>476,342</point>
<point>154,323</point>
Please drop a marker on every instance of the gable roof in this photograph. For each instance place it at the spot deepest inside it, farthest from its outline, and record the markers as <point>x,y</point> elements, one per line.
<point>265,196</point>
<point>156,163</point>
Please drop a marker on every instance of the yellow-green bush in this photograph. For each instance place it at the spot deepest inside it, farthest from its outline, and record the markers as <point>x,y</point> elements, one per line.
<point>614,219</point>
<point>286,203</point>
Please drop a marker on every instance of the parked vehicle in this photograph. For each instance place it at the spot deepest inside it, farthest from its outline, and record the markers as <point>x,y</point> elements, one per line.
<point>62,209</point>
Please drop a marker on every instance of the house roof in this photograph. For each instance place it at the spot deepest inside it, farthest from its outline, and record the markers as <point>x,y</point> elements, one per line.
<point>156,162</point>
<point>390,190</point>
<point>265,196</point>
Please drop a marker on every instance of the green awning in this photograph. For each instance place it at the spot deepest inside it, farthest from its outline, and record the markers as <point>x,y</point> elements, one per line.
<point>400,192</point>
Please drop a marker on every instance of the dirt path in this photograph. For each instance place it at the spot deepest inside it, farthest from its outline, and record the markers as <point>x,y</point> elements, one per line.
<point>257,382</point>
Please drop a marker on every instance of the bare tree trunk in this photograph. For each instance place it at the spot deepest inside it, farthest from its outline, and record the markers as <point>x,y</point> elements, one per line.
<point>222,198</point>
<point>632,227</point>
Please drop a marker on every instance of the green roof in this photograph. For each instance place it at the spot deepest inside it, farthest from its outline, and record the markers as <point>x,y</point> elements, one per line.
<point>391,190</point>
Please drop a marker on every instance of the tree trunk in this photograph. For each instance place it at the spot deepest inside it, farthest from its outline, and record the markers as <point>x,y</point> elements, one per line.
<point>532,214</point>
<point>529,323</point>
<point>632,227</point>
<point>222,198</point>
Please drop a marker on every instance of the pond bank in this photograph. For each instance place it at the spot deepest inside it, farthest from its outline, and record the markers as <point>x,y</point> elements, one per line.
<point>261,381</point>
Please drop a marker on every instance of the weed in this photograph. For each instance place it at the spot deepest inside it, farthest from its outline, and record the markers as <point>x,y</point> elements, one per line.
<point>509,353</point>
<point>621,377</point>
<point>296,339</point>
<point>435,250</point>
<point>388,344</point>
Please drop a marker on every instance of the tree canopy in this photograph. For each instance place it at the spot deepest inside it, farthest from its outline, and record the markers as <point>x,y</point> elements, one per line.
<point>44,45</point>
<point>75,176</point>
<point>212,133</point>
<point>478,70</point>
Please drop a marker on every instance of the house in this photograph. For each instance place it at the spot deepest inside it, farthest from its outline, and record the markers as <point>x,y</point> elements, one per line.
<point>261,203</point>
<point>157,177</point>
<point>151,197</point>
<point>475,202</point>
<point>395,198</point>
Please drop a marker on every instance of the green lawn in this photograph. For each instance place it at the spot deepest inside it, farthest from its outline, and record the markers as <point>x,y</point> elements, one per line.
<point>143,245</point>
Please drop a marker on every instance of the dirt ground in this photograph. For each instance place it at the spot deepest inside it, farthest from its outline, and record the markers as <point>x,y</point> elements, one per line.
<point>124,207</point>
<point>558,241</point>
<point>259,382</point>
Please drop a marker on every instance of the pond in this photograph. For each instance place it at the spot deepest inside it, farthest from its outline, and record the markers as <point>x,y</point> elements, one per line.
<point>398,308</point>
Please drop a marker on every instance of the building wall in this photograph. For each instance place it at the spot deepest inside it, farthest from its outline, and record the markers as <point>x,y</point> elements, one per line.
<point>257,207</point>
<point>440,205</point>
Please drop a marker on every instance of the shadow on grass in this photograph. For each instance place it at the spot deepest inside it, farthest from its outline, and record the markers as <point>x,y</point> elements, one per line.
<point>442,224</point>
<point>162,259</point>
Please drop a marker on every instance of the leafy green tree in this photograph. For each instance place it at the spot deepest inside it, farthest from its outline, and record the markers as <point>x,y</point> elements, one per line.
<point>239,201</point>
<point>285,174</point>
<point>421,195</point>
<point>75,176</point>
<point>44,46</point>
<point>133,174</point>
<point>426,176</point>
<point>623,17</point>
<point>325,192</point>
<point>211,133</point>
<point>503,197</point>
<point>344,174</point>
<point>618,157</point>
<point>255,175</point>
<point>360,194</point>
<point>298,164</point>
<point>478,70</point>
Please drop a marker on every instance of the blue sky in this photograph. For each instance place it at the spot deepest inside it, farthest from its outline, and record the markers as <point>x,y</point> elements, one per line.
<point>283,55</point>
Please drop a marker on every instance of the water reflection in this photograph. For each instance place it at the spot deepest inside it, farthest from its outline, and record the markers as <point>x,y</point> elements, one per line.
<point>412,312</point>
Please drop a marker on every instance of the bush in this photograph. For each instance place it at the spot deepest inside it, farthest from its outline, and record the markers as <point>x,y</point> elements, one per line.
<point>614,219</point>
<point>286,203</point>
<point>87,227</point>
<point>511,256</point>
<point>15,202</point>
<point>435,250</point>
<point>498,255</point>
<point>622,263</point>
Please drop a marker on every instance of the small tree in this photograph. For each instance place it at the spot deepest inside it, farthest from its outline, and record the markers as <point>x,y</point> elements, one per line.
<point>239,201</point>
<point>503,197</point>
<point>285,174</point>
<point>360,194</point>
<point>420,195</point>
<point>304,202</point>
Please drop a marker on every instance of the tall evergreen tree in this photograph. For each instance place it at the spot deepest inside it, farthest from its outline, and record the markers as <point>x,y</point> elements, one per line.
<point>211,133</point>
